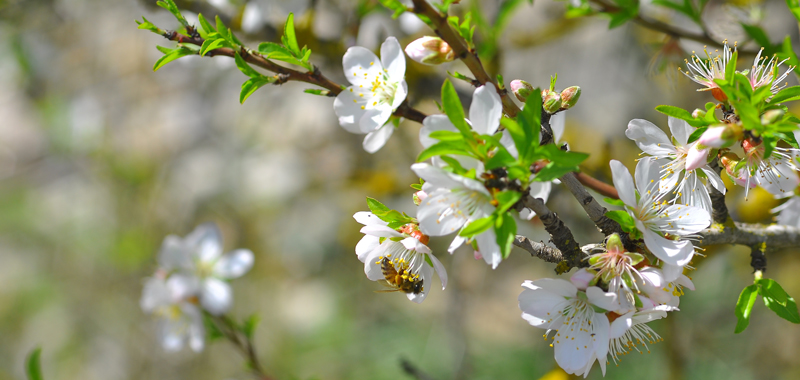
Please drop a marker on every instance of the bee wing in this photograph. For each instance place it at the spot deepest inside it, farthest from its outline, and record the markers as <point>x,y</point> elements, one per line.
<point>387,291</point>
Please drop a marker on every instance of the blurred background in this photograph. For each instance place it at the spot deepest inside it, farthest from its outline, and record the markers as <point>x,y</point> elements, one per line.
<point>101,158</point>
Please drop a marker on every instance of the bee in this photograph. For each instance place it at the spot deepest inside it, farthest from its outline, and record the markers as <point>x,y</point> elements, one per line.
<point>399,281</point>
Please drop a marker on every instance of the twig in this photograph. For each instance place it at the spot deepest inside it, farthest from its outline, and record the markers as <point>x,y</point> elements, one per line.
<point>462,51</point>
<point>243,344</point>
<point>758,258</point>
<point>774,235</point>
<point>314,77</point>
<point>413,371</point>
<point>560,234</point>
<point>719,211</point>
<point>597,185</point>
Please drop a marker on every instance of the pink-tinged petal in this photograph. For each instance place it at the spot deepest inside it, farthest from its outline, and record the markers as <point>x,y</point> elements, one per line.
<point>349,107</point>
<point>432,124</point>
<point>486,110</point>
<point>375,140</point>
<point>380,231</point>
<point>623,182</point>
<point>216,296</point>
<point>683,220</point>
<point>234,264</point>
<point>367,218</point>
<point>670,251</point>
<point>714,179</point>
<point>440,271</point>
<point>681,130</point>
<point>581,278</point>
<point>696,157</point>
<point>206,242</point>
<point>557,124</point>
<point>366,245</point>
<point>393,59</point>
<point>361,66</point>
<point>621,325</point>
<point>649,138</point>
<point>602,299</point>
<point>487,244</point>
<point>648,177</point>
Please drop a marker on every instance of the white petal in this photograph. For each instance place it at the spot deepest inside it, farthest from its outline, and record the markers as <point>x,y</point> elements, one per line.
<point>556,286</point>
<point>541,190</point>
<point>234,264</point>
<point>372,265</point>
<point>789,212</point>
<point>681,130</point>
<point>432,124</point>
<point>196,330</point>
<point>440,271</point>
<point>358,61</point>
<point>366,245</point>
<point>541,303</point>
<point>508,142</point>
<point>649,138</point>
<point>601,329</point>
<point>621,325</point>
<point>781,180</point>
<point>670,251</point>
<point>348,108</point>
<point>557,123</point>
<point>171,334</point>
<point>647,177</point>
<point>174,254</point>
<point>380,231</point>
<point>413,244</point>
<point>671,272</point>
<point>216,296</point>
<point>393,59</point>
<point>426,272</point>
<point>374,118</point>
<point>486,110</point>
<point>714,179</point>
<point>206,242</point>
<point>623,182</point>
<point>487,244</point>
<point>457,242</point>
<point>399,94</point>
<point>375,140</point>
<point>440,178</point>
<point>574,349</point>
<point>367,218</point>
<point>182,286</point>
<point>684,220</point>
<point>436,214</point>
<point>684,281</point>
<point>602,299</point>
<point>154,294</point>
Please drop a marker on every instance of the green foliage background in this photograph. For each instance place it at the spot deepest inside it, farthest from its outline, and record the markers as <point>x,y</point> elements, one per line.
<point>100,158</point>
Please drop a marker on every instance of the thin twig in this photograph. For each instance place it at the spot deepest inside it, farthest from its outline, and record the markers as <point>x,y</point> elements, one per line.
<point>758,258</point>
<point>719,211</point>
<point>242,344</point>
<point>560,234</point>
<point>413,371</point>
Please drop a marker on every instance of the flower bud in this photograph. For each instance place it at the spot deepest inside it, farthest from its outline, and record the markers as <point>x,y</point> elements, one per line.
<point>771,116</point>
<point>730,161</point>
<point>697,156</point>
<point>570,96</point>
<point>614,244</point>
<point>419,197</point>
<point>698,113</point>
<point>430,51</point>
<point>521,89</point>
<point>551,101</point>
<point>721,136</point>
<point>582,279</point>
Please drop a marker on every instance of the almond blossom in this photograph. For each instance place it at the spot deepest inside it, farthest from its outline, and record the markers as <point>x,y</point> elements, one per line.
<point>776,173</point>
<point>453,202</point>
<point>765,73</point>
<point>378,88</point>
<point>654,218</point>
<point>180,320</point>
<point>705,71</point>
<point>407,251</point>
<point>582,333</point>
<point>676,173</point>
<point>630,330</point>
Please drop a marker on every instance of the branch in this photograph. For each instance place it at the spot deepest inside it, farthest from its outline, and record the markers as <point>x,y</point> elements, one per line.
<point>413,371</point>
<point>243,345</point>
<point>758,258</point>
<point>597,185</point>
<point>560,234</point>
<point>719,211</point>
<point>314,77</point>
<point>774,236</point>
<point>462,50</point>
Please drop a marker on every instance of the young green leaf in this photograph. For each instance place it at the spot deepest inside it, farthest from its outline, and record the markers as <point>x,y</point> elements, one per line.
<point>777,300</point>
<point>786,95</point>
<point>316,91</point>
<point>377,207</point>
<point>224,31</point>
<point>744,306</point>
<point>33,366</point>
<point>244,67</point>
<point>149,26</point>
<point>696,134</point>
<point>477,226</point>
<point>172,8</point>
<point>453,108</point>
<point>171,56</point>
<point>249,326</point>
<point>251,85</point>
<point>623,218</point>
<point>289,38</point>
<point>210,44</point>
<point>506,231</point>
<point>614,202</point>
<point>444,147</point>
<point>730,69</point>
<point>506,199</point>
<point>207,28</point>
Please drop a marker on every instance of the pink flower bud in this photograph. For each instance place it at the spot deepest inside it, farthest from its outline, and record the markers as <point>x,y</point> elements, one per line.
<point>551,101</point>
<point>582,278</point>
<point>430,51</point>
<point>698,113</point>
<point>477,255</point>
<point>721,136</point>
<point>570,96</point>
<point>521,89</point>
<point>614,244</point>
<point>419,197</point>
<point>697,156</point>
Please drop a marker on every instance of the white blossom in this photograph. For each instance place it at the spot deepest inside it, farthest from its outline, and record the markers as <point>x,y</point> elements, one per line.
<point>765,73</point>
<point>378,88</point>
<point>174,304</point>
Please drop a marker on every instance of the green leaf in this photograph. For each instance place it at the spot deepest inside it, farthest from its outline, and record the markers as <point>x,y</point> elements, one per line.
<point>506,231</point>
<point>696,134</point>
<point>171,56</point>
<point>730,69</point>
<point>759,36</point>
<point>786,95</point>
<point>744,306</point>
<point>223,31</point>
<point>377,207</point>
<point>500,159</point>
<point>289,38</point>
<point>442,148</point>
<point>477,226</point>
<point>561,157</point>
<point>33,367</point>
<point>209,45</point>
<point>794,7</point>
<point>249,326</point>
<point>517,134</point>
<point>673,111</point>
<point>316,91</point>
<point>172,8</point>
<point>207,28</point>
<point>777,300</point>
<point>244,67</point>
<point>614,202</point>
<point>506,199</point>
<point>395,6</point>
<point>446,136</point>
<point>149,26</point>
<point>453,108</point>
<point>251,85</point>
<point>623,218</point>
<point>529,120</point>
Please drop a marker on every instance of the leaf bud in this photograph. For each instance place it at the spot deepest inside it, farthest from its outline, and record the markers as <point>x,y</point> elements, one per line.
<point>698,113</point>
<point>551,101</point>
<point>771,116</point>
<point>570,96</point>
<point>521,89</point>
<point>430,51</point>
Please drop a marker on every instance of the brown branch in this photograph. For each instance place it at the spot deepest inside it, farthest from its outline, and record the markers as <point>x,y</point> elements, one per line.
<point>597,185</point>
<point>773,235</point>
<point>758,258</point>
<point>560,234</point>
<point>286,74</point>
<point>242,344</point>
<point>719,211</point>
<point>438,23</point>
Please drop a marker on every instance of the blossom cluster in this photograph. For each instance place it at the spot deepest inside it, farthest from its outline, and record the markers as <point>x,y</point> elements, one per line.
<point>192,279</point>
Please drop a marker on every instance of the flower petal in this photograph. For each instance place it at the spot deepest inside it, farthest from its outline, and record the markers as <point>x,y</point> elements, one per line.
<point>602,299</point>
<point>366,245</point>
<point>400,94</point>
<point>372,264</point>
<point>557,123</point>
<point>683,220</point>
<point>714,179</point>
<point>426,272</point>
<point>621,325</point>
<point>174,254</point>
<point>681,130</point>
<point>380,231</point>
<point>623,182</point>
<point>670,251</point>
<point>375,140</point>
<point>487,245</point>
<point>234,264</point>
<point>432,124</point>
<point>367,218</point>
<point>361,66</point>
<point>649,138</point>
<point>486,110</point>
<point>648,178</point>
<point>206,242</point>
<point>349,107</point>
<point>413,244</point>
<point>216,296</point>
<point>393,59</point>
<point>440,271</point>
<point>374,118</point>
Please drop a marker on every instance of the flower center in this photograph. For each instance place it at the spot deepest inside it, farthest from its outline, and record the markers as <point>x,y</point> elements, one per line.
<point>383,90</point>
<point>638,335</point>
